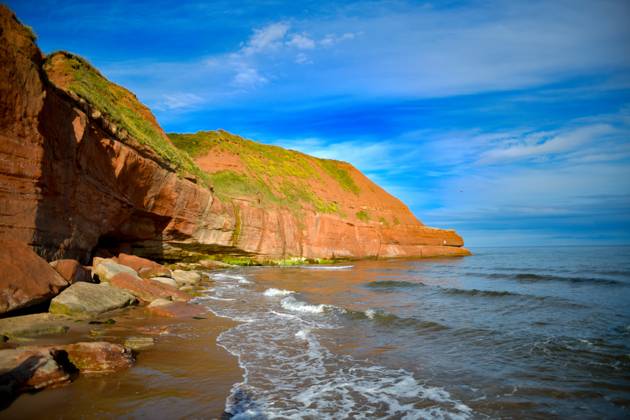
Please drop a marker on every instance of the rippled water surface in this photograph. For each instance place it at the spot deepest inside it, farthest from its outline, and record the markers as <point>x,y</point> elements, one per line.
<point>511,332</point>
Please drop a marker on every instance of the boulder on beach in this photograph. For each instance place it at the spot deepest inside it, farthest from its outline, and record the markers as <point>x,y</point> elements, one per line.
<point>72,271</point>
<point>137,263</point>
<point>165,280</point>
<point>34,325</point>
<point>147,290</point>
<point>87,299</point>
<point>161,271</point>
<point>30,369</point>
<point>99,357</point>
<point>25,278</point>
<point>186,278</point>
<point>106,268</point>
<point>165,308</point>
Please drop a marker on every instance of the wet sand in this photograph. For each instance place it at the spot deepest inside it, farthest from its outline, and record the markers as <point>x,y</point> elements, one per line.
<point>184,375</point>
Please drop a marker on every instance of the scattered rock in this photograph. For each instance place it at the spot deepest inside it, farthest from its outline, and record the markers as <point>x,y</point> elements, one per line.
<point>176,310</point>
<point>147,290</point>
<point>87,299</point>
<point>72,271</point>
<point>139,343</point>
<point>35,325</point>
<point>25,278</point>
<point>30,369</point>
<point>99,357</point>
<point>160,271</point>
<point>186,278</point>
<point>106,268</point>
<point>137,263</point>
<point>165,280</point>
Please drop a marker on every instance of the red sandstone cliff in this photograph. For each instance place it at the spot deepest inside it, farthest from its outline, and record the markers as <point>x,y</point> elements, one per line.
<point>71,181</point>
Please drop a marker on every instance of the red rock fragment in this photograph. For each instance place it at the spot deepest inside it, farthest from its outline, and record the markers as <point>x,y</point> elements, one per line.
<point>72,271</point>
<point>177,310</point>
<point>25,278</point>
<point>147,290</point>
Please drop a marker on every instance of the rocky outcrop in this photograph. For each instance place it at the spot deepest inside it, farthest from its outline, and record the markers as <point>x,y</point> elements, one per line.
<point>87,299</point>
<point>25,278</point>
<point>74,179</point>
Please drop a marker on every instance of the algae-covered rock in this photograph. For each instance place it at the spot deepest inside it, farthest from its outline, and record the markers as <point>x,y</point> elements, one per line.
<point>34,325</point>
<point>139,343</point>
<point>87,299</point>
<point>106,268</point>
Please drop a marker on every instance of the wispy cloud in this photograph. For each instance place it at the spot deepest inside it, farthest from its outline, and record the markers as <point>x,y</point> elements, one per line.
<point>179,101</point>
<point>270,37</point>
<point>542,145</point>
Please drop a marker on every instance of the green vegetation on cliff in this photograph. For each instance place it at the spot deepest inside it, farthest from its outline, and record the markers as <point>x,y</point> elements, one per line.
<point>118,105</point>
<point>272,174</point>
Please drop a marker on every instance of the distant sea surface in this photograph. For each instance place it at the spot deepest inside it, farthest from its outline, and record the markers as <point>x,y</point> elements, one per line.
<point>506,333</point>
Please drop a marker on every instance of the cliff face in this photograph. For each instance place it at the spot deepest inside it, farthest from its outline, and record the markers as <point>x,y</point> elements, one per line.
<point>84,165</point>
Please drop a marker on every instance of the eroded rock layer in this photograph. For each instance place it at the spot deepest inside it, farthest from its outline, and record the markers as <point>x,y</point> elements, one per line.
<point>73,179</point>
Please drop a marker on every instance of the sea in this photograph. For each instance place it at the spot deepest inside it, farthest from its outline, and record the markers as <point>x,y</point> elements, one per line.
<point>539,332</point>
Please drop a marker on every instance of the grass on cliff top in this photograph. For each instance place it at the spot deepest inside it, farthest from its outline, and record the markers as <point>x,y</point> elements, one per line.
<point>273,174</point>
<point>117,105</point>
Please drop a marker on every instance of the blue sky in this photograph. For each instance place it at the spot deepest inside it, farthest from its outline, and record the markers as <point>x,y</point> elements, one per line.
<point>506,120</point>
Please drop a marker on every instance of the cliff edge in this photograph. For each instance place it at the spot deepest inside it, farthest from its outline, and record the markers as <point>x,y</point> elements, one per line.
<point>84,166</point>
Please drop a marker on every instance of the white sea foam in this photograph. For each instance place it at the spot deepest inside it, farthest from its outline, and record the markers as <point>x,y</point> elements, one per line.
<point>220,298</point>
<point>292,304</point>
<point>302,334</point>
<point>370,313</point>
<point>277,292</point>
<point>289,374</point>
<point>224,276</point>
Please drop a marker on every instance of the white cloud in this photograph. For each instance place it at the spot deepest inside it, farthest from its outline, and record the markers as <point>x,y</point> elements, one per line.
<point>249,77</point>
<point>266,38</point>
<point>301,42</point>
<point>332,39</point>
